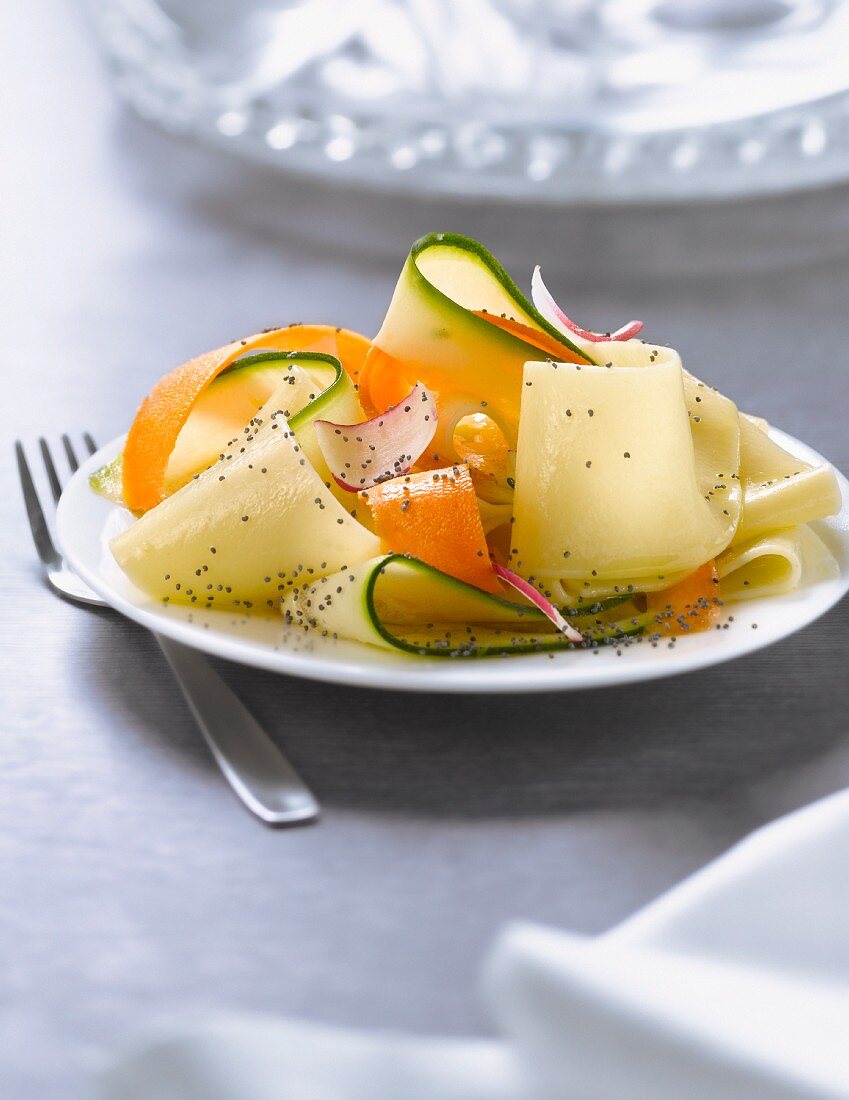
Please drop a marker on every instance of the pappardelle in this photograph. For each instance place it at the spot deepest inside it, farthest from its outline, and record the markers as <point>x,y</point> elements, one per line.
<point>483,477</point>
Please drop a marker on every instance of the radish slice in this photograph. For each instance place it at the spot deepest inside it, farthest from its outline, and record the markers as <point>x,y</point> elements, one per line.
<point>552,312</point>
<point>361,455</point>
<point>536,597</point>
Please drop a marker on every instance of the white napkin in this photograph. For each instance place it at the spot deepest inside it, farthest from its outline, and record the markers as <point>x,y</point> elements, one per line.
<point>735,984</point>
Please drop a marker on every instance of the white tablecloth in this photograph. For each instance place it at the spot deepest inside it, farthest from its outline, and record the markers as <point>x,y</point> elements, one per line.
<point>733,986</point>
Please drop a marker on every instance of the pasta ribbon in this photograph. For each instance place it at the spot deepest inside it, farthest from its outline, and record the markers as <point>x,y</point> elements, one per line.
<point>780,490</point>
<point>616,480</point>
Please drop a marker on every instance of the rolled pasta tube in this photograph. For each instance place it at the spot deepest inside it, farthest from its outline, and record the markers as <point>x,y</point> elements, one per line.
<point>779,490</point>
<point>774,563</point>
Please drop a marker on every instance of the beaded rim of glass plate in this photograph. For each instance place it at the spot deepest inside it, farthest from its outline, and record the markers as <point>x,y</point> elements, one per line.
<point>397,150</point>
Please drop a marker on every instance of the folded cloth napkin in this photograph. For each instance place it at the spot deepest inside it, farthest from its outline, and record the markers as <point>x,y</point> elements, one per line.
<point>735,984</point>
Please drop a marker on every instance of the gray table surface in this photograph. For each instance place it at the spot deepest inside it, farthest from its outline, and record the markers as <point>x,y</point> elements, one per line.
<point>131,883</point>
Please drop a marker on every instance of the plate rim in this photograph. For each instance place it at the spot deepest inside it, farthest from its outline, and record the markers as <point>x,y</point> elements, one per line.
<point>434,675</point>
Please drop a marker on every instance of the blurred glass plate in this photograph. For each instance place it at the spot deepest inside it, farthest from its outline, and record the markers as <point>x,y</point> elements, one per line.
<point>551,101</point>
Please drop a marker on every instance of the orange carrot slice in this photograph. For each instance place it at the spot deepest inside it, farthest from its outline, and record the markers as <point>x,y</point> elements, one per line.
<point>382,382</point>
<point>434,516</point>
<point>533,336</point>
<point>480,443</point>
<point>689,606</point>
<point>166,408</point>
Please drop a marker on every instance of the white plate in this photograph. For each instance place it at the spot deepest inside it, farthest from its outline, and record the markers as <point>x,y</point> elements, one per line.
<point>86,522</point>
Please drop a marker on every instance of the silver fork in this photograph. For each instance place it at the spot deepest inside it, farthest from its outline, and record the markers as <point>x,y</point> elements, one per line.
<point>257,771</point>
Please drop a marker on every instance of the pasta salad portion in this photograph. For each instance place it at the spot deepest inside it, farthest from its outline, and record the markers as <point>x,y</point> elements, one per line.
<point>482,477</point>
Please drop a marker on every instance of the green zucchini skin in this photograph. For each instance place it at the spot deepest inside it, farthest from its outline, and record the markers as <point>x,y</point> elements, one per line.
<point>594,608</point>
<point>506,627</point>
<point>107,481</point>
<point>313,410</point>
<point>469,244</point>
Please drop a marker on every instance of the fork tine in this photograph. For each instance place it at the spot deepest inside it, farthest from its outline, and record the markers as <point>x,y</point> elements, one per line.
<point>49,466</point>
<point>89,442</point>
<point>35,515</point>
<point>69,452</point>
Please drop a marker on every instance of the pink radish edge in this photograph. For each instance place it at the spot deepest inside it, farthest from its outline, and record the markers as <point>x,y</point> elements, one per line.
<point>545,303</point>
<point>362,455</point>
<point>546,606</point>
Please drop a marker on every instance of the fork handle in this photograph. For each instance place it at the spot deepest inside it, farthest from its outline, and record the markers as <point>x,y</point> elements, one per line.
<point>252,764</point>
